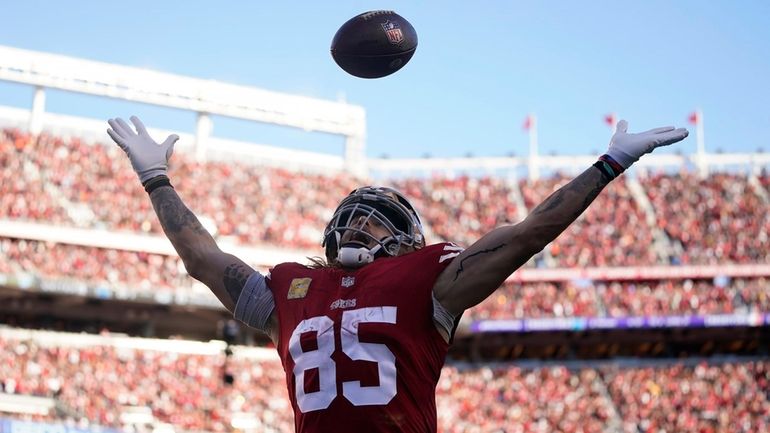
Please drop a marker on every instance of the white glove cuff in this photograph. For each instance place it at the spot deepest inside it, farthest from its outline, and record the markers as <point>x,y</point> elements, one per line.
<point>151,173</point>
<point>622,158</point>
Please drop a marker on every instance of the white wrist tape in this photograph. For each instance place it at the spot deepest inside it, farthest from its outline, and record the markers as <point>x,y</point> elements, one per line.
<point>256,303</point>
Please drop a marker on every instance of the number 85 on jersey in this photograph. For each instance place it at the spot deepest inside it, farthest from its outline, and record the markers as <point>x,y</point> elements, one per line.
<point>321,358</point>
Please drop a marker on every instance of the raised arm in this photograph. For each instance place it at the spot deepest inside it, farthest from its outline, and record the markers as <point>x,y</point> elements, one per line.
<point>225,274</point>
<point>485,265</point>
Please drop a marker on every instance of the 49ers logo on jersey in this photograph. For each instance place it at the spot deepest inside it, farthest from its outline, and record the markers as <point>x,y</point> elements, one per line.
<point>343,303</point>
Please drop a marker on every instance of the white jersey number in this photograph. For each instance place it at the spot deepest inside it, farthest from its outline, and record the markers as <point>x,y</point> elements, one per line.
<point>320,358</point>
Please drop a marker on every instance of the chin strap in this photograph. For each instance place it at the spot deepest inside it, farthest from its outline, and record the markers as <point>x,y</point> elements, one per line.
<point>353,257</point>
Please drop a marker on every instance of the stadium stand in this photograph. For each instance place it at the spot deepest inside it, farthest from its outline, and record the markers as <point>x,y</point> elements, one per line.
<point>719,219</point>
<point>51,191</point>
<point>679,259</point>
<point>599,238</point>
<point>248,204</point>
<point>156,274</point>
<point>178,383</point>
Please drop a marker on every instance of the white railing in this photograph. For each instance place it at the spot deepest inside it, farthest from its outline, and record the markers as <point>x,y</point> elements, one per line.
<point>66,339</point>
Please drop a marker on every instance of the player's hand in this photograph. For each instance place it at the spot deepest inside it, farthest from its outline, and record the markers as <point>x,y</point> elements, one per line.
<point>148,158</point>
<point>626,148</point>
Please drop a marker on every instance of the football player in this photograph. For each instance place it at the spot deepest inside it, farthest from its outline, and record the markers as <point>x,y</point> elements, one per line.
<point>363,334</point>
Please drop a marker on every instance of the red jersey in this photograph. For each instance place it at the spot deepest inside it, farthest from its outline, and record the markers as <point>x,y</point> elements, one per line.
<point>359,347</point>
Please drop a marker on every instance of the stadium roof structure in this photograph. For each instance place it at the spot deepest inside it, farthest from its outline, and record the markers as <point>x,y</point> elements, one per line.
<point>204,97</point>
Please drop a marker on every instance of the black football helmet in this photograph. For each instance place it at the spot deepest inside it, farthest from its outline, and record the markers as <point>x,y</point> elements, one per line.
<point>387,207</point>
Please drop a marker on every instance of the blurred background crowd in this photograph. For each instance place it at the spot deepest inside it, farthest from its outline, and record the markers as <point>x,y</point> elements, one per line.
<point>721,219</point>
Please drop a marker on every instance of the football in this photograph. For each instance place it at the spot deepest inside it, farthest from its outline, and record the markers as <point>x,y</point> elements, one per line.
<point>374,44</point>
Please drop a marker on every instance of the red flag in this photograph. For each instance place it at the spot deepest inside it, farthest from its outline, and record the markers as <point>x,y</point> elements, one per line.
<point>694,118</point>
<point>610,120</point>
<point>527,123</point>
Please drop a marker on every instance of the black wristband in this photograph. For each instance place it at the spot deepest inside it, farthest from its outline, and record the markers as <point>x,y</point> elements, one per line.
<point>612,165</point>
<point>606,170</point>
<point>156,182</point>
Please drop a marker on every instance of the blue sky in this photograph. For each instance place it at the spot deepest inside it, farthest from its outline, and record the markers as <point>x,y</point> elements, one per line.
<point>480,67</point>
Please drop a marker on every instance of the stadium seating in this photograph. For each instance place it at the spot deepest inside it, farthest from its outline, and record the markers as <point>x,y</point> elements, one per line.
<point>94,266</point>
<point>100,381</point>
<point>704,398</point>
<point>66,181</point>
<point>89,185</point>
<point>612,232</point>
<point>462,209</point>
<point>185,390</point>
<point>720,219</point>
<point>654,243</point>
<point>143,272</point>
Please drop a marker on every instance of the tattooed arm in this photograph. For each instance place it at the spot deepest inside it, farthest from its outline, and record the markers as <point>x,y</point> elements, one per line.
<point>223,273</point>
<point>484,266</point>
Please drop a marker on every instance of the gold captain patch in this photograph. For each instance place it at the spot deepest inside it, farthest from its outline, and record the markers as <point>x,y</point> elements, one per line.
<point>298,288</point>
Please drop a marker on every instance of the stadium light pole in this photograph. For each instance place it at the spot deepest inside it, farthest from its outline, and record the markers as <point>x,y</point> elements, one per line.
<point>38,110</point>
<point>696,118</point>
<point>203,128</point>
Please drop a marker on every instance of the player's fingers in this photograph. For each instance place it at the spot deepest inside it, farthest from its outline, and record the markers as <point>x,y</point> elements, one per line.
<point>170,141</point>
<point>116,138</point>
<point>169,152</point>
<point>139,125</point>
<point>661,129</point>
<point>671,137</point>
<point>116,128</point>
<point>622,126</point>
<point>127,131</point>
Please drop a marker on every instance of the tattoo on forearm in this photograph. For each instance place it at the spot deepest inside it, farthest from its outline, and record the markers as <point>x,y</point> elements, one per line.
<point>234,279</point>
<point>592,195</point>
<point>588,186</point>
<point>550,203</point>
<point>460,268</point>
<point>173,214</point>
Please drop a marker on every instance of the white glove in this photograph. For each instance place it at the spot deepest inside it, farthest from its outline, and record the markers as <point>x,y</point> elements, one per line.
<point>148,158</point>
<point>627,148</point>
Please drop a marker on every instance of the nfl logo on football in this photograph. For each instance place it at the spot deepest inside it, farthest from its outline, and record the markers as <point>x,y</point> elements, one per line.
<point>393,31</point>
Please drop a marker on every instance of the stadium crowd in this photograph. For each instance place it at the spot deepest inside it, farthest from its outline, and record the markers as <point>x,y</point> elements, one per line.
<point>705,398</point>
<point>719,219</point>
<point>98,267</point>
<point>612,232</point>
<point>511,399</point>
<point>67,181</point>
<point>98,382</point>
<point>461,209</point>
<point>185,390</point>
<point>159,274</point>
